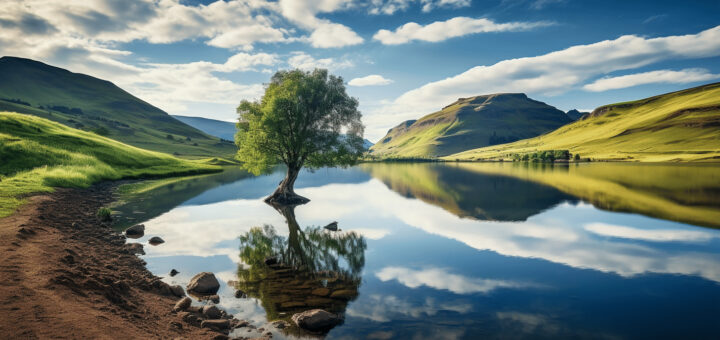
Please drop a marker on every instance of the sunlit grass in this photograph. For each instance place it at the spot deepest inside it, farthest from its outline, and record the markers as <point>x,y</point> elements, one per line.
<point>37,154</point>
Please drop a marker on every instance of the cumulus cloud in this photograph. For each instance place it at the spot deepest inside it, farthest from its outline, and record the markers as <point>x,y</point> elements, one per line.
<point>371,80</point>
<point>548,74</point>
<point>305,61</point>
<point>389,7</point>
<point>441,279</point>
<point>661,76</point>
<point>325,34</point>
<point>455,27</point>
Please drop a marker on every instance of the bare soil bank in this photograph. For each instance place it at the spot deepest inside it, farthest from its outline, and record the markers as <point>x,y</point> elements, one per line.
<point>66,275</point>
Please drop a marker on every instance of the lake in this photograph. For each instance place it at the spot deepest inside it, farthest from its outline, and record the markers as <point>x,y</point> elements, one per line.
<point>452,250</point>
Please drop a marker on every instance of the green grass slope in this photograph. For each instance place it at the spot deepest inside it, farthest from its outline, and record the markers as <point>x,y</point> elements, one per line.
<point>677,126</point>
<point>37,154</point>
<point>92,104</point>
<point>470,123</point>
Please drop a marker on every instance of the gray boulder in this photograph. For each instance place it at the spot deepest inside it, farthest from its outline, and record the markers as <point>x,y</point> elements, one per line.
<point>135,231</point>
<point>204,283</point>
<point>316,320</point>
<point>155,240</point>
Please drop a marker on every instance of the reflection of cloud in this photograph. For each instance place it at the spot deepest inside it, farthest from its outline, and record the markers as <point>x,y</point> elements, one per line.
<point>440,279</point>
<point>553,236</point>
<point>382,308</point>
<point>528,323</point>
<point>661,235</point>
<point>373,234</point>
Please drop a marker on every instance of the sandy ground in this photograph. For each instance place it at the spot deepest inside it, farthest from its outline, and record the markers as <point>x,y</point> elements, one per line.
<point>65,275</point>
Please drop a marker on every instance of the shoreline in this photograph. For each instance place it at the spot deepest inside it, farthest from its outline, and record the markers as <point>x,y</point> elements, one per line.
<point>68,275</point>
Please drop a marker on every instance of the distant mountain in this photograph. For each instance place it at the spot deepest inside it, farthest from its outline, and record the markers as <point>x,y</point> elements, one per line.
<point>223,129</point>
<point>217,128</point>
<point>470,123</point>
<point>677,126</point>
<point>84,102</point>
<point>575,114</point>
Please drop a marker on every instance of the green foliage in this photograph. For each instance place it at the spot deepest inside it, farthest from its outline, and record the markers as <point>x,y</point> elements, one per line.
<point>38,154</point>
<point>542,156</point>
<point>299,122</point>
<point>104,214</point>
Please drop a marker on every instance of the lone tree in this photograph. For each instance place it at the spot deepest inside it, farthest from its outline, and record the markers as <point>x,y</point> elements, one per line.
<point>304,119</point>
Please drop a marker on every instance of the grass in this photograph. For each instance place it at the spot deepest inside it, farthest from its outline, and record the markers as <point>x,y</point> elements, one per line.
<point>470,123</point>
<point>673,127</point>
<point>37,155</point>
<point>93,104</point>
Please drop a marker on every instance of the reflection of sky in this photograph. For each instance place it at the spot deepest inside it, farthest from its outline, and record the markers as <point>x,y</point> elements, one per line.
<point>422,261</point>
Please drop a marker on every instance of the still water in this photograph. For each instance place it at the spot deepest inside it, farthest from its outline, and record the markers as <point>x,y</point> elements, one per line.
<point>466,250</point>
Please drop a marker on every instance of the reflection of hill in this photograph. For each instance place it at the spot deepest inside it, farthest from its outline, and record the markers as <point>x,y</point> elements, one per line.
<point>468,193</point>
<point>145,200</point>
<point>308,269</point>
<point>685,193</point>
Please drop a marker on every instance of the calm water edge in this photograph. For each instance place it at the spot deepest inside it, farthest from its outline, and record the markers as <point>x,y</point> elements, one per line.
<point>459,250</point>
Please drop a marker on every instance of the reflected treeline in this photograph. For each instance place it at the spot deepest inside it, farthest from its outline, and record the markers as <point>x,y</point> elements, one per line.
<point>466,193</point>
<point>308,269</point>
<point>142,201</point>
<point>688,193</point>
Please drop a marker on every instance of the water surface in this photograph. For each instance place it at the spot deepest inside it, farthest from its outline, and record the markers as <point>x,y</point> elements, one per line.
<point>466,250</point>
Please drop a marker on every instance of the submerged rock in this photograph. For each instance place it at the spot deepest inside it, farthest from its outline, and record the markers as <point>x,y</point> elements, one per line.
<point>316,320</point>
<point>203,283</point>
<point>135,231</point>
<point>155,240</point>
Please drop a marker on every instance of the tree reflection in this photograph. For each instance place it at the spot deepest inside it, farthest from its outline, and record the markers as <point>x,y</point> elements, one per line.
<point>308,269</point>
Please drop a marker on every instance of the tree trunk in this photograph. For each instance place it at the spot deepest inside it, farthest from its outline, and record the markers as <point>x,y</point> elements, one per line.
<point>285,192</point>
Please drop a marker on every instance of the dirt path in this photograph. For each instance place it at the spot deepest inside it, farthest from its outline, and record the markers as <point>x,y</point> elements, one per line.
<point>64,275</point>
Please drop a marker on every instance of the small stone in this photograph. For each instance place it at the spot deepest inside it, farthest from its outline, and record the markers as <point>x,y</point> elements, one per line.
<point>174,272</point>
<point>216,325</point>
<point>332,226</point>
<point>182,304</point>
<point>280,324</point>
<point>316,320</point>
<point>211,312</point>
<point>239,294</point>
<point>135,231</point>
<point>175,325</point>
<point>155,240</point>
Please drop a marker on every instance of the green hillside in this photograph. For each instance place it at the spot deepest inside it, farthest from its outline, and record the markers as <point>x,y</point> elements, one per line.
<point>470,123</point>
<point>677,126</point>
<point>37,154</point>
<point>92,104</point>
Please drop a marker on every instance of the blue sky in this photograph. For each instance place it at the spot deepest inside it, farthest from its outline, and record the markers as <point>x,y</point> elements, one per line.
<point>401,58</point>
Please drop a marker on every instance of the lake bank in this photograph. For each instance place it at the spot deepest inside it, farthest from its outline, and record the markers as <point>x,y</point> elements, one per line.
<point>68,275</point>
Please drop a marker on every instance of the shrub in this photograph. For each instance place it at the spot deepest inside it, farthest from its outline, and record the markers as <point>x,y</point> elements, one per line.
<point>105,214</point>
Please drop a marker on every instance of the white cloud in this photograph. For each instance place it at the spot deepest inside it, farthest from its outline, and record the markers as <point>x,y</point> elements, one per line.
<point>325,34</point>
<point>548,74</point>
<point>652,77</point>
<point>443,30</point>
<point>305,61</point>
<point>657,235</point>
<point>389,7</point>
<point>441,279</point>
<point>371,80</point>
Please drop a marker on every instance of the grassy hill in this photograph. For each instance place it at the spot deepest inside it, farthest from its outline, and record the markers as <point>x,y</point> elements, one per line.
<point>37,154</point>
<point>677,126</point>
<point>92,104</point>
<point>470,123</point>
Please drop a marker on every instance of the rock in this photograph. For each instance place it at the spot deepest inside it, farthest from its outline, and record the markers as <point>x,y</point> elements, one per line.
<point>135,248</point>
<point>271,261</point>
<point>175,325</point>
<point>211,312</point>
<point>344,294</point>
<point>135,231</point>
<point>333,226</point>
<point>221,337</point>
<point>174,272</point>
<point>177,290</point>
<point>204,283</point>
<point>239,294</point>
<point>320,291</point>
<point>190,319</point>
<point>195,309</point>
<point>182,304</point>
<point>316,320</point>
<point>235,323</point>
<point>292,304</point>
<point>280,324</point>
<point>155,240</point>
<point>216,325</point>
